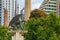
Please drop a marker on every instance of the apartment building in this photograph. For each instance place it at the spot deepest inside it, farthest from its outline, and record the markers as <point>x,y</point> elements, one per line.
<point>10,6</point>
<point>50,6</point>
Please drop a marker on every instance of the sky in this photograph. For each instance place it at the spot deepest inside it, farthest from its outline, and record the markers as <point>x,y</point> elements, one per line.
<point>34,4</point>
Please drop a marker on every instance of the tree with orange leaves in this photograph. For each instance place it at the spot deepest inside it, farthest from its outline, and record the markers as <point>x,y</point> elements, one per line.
<point>37,13</point>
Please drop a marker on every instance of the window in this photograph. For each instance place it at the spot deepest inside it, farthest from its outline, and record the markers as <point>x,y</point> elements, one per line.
<point>52,3</point>
<point>50,9</point>
<point>0,4</point>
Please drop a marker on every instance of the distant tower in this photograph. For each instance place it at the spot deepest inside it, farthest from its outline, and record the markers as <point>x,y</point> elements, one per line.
<point>5,18</point>
<point>16,7</point>
<point>27,9</point>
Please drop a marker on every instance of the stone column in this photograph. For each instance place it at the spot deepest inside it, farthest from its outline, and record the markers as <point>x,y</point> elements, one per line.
<point>27,9</point>
<point>5,18</point>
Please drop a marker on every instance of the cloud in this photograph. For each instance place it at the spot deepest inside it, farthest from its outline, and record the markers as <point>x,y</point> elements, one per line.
<point>36,6</point>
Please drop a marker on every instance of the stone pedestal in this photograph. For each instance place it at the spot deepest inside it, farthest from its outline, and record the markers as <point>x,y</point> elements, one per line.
<point>17,35</point>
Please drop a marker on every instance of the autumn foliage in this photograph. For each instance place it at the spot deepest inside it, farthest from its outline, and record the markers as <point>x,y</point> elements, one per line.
<point>37,14</point>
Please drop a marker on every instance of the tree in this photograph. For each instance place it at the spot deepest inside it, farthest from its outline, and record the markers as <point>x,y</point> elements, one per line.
<point>4,34</point>
<point>43,28</point>
<point>37,14</point>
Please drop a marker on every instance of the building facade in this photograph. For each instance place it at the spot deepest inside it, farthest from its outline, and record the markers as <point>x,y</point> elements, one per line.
<point>10,6</point>
<point>50,6</point>
<point>16,7</point>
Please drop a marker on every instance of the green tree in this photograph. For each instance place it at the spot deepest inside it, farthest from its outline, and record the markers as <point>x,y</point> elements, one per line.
<point>43,28</point>
<point>4,34</point>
